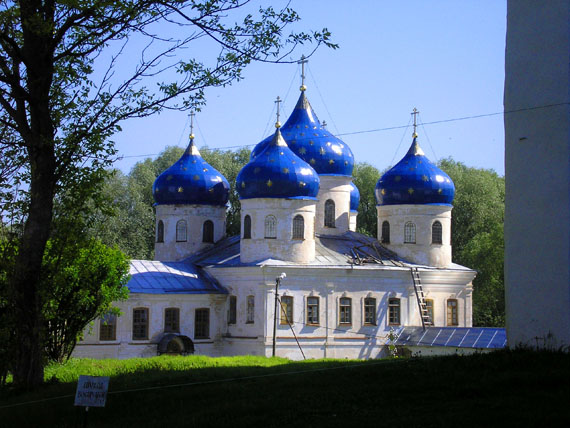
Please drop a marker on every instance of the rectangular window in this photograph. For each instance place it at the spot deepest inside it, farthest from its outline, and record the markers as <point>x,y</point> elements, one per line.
<point>345,310</point>
<point>232,312</point>
<point>394,311</point>
<point>313,310</point>
<point>286,310</point>
<point>250,309</point>
<point>172,320</point>
<point>202,324</point>
<point>370,311</point>
<point>452,318</point>
<point>140,324</point>
<point>429,307</point>
<point>108,327</point>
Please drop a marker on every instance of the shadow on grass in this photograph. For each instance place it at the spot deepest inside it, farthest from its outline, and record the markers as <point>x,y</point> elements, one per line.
<point>506,387</point>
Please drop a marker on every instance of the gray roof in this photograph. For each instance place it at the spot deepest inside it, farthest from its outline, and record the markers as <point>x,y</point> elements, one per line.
<point>154,277</point>
<point>350,248</point>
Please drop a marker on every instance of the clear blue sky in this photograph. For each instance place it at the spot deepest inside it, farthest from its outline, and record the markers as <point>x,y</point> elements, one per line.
<point>444,57</point>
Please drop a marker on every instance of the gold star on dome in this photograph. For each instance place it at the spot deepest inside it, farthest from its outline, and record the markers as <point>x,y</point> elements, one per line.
<point>286,170</point>
<point>193,160</point>
<point>412,168</point>
<point>298,126</point>
<point>302,184</point>
<point>211,190</point>
<point>306,126</point>
<point>156,190</point>
<point>410,190</point>
<point>256,170</point>
<point>281,153</point>
<point>331,161</point>
<point>185,169</point>
<point>345,163</point>
<point>424,177</point>
<point>205,169</point>
<point>315,127</point>
<point>315,134</point>
<point>311,142</point>
<point>196,177</point>
<point>269,183</point>
<point>293,162</point>
<point>397,178</point>
<point>302,150</point>
<point>302,134</point>
<point>439,191</point>
<point>313,161</point>
<point>383,192</point>
<point>243,184</point>
<point>168,178</point>
<point>180,190</point>
<point>271,160</point>
<point>293,141</point>
<point>322,151</point>
<point>328,143</point>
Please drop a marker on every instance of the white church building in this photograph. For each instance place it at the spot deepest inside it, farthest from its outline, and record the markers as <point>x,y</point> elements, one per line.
<point>340,293</point>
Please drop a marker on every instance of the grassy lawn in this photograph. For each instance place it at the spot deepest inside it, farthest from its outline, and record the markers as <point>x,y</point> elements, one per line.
<point>520,388</point>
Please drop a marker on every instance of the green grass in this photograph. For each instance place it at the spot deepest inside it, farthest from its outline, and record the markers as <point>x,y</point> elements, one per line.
<point>519,388</point>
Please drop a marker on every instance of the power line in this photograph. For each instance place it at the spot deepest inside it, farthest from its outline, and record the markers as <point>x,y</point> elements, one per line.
<point>390,128</point>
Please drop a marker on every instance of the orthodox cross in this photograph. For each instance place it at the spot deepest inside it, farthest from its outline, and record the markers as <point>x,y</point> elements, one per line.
<point>415,113</point>
<point>278,102</point>
<point>303,61</point>
<point>192,114</point>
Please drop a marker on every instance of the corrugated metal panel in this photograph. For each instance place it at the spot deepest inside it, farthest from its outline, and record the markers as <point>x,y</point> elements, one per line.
<point>154,277</point>
<point>456,337</point>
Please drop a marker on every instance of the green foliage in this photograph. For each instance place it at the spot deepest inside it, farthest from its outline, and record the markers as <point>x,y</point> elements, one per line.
<point>477,236</point>
<point>365,178</point>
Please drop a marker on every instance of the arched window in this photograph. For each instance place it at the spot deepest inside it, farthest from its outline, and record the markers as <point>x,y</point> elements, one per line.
<point>385,232</point>
<point>208,231</point>
<point>270,227</point>
<point>298,227</point>
<point>181,231</point>
<point>329,213</point>
<point>247,227</point>
<point>410,233</point>
<point>160,231</point>
<point>436,233</point>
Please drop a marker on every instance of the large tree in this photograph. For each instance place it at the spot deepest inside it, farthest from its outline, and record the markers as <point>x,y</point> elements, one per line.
<point>59,108</point>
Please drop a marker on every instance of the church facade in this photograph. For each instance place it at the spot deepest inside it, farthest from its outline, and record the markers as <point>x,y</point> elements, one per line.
<point>299,281</point>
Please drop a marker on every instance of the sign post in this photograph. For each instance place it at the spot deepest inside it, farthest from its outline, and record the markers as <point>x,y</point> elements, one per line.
<point>91,392</point>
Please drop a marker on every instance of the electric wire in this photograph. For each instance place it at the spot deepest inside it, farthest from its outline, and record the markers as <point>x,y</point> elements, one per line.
<point>322,99</point>
<point>390,128</point>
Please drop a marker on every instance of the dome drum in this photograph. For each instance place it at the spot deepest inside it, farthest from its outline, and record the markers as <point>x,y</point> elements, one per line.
<point>333,199</point>
<point>274,230</point>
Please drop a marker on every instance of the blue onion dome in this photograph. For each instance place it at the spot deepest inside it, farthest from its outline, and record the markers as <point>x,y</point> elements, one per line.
<point>354,197</point>
<point>276,172</point>
<point>312,142</point>
<point>191,180</point>
<point>415,180</point>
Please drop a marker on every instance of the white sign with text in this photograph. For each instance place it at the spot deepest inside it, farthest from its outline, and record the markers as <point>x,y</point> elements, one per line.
<point>92,391</point>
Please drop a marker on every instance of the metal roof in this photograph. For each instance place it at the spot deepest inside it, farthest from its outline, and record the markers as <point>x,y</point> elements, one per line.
<point>154,277</point>
<point>350,248</point>
<point>456,337</point>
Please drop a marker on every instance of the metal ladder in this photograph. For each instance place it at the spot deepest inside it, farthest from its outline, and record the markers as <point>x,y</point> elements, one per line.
<point>424,314</point>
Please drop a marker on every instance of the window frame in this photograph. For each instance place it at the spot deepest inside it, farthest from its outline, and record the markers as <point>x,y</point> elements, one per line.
<point>385,237</point>
<point>140,324</point>
<point>181,227</point>
<point>172,325</point>
<point>250,309</point>
<point>345,311</point>
<point>437,233</point>
<point>330,214</point>
<point>247,227</point>
<point>313,309</point>
<point>270,227</point>
<point>286,311</point>
<point>160,232</point>
<point>410,233</point>
<point>298,232</point>
<point>208,232</point>
<point>201,323</point>
<point>453,320</point>
<point>369,314</point>
<point>108,328</point>
<point>394,311</point>
<point>232,310</point>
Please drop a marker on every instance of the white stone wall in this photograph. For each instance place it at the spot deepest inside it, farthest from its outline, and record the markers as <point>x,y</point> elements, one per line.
<point>336,188</point>
<point>283,247</point>
<point>353,216</point>
<point>537,173</point>
<point>125,347</point>
<point>423,216</point>
<point>195,216</point>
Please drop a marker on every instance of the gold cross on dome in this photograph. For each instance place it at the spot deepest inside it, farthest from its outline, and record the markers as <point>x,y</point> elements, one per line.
<point>192,114</point>
<point>303,61</point>
<point>415,113</point>
<point>278,101</point>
